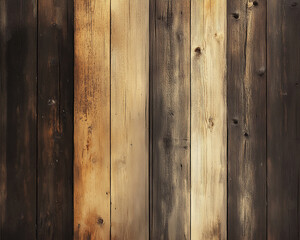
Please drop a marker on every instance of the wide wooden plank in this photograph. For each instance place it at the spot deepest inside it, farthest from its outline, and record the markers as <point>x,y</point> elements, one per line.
<point>246,119</point>
<point>17,119</point>
<point>170,125</point>
<point>55,119</point>
<point>208,120</point>
<point>129,119</point>
<point>92,120</point>
<point>283,121</point>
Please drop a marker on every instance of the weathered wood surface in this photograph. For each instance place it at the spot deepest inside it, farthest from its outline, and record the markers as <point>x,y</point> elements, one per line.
<point>208,120</point>
<point>17,119</point>
<point>170,96</point>
<point>129,119</point>
<point>170,124</point>
<point>283,119</point>
<point>246,119</point>
<point>92,120</point>
<point>55,119</point>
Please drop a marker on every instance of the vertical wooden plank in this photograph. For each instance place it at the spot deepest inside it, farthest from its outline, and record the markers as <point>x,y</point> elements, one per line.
<point>92,120</point>
<point>246,119</point>
<point>208,120</point>
<point>129,119</point>
<point>170,83</point>
<point>17,119</point>
<point>283,119</point>
<point>55,119</point>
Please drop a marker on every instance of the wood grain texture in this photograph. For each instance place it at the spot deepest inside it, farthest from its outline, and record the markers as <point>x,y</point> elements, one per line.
<point>55,119</point>
<point>170,124</point>
<point>283,119</point>
<point>208,120</point>
<point>17,119</point>
<point>246,119</point>
<point>92,120</point>
<point>129,119</point>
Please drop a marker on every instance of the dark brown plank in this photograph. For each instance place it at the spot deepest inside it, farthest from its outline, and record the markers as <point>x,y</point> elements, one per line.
<point>55,119</point>
<point>17,119</point>
<point>283,119</point>
<point>170,120</point>
<point>246,59</point>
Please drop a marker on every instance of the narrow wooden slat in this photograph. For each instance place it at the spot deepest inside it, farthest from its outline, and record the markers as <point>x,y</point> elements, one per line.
<point>208,120</point>
<point>246,119</point>
<point>55,119</point>
<point>283,119</point>
<point>170,88</point>
<point>92,120</point>
<point>129,119</point>
<point>17,119</point>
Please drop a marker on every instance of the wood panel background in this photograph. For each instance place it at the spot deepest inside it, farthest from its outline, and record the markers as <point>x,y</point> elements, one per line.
<point>154,119</point>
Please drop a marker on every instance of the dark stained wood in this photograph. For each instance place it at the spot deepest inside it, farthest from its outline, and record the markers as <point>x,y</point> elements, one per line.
<point>17,119</point>
<point>283,119</point>
<point>170,83</point>
<point>246,119</point>
<point>55,119</point>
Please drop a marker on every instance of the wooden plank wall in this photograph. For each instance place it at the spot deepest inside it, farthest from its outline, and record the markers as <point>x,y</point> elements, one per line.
<point>170,126</point>
<point>36,119</point>
<point>246,119</point>
<point>18,119</point>
<point>283,119</point>
<point>55,118</point>
<point>183,124</point>
<point>129,119</point>
<point>92,120</point>
<point>208,120</point>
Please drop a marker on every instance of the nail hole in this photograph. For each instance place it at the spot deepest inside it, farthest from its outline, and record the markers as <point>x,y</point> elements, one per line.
<point>255,3</point>
<point>198,50</point>
<point>246,134</point>
<point>235,121</point>
<point>236,15</point>
<point>100,221</point>
<point>294,4</point>
<point>261,71</point>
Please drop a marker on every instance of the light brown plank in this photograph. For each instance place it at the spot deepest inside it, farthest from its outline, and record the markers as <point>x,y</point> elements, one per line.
<point>129,119</point>
<point>92,120</point>
<point>208,119</point>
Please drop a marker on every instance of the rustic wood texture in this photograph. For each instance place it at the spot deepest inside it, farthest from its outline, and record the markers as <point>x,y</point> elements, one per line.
<point>183,122</point>
<point>92,120</point>
<point>246,119</point>
<point>208,120</point>
<point>129,119</point>
<point>170,126</point>
<point>17,119</point>
<point>283,119</point>
<point>55,119</point>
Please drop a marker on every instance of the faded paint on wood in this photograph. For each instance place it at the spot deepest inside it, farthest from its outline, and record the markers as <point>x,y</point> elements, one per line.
<point>170,118</point>
<point>208,120</point>
<point>246,119</point>
<point>55,119</point>
<point>17,119</point>
<point>283,119</point>
<point>92,120</point>
<point>129,119</point>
